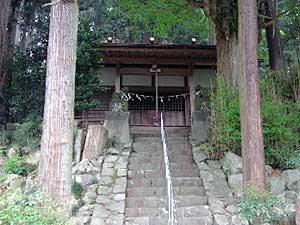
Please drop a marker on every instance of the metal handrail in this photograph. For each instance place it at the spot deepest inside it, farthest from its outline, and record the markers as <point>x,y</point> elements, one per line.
<point>171,195</point>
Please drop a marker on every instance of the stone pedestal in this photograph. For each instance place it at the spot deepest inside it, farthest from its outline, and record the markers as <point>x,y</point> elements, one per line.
<point>117,124</point>
<point>200,126</point>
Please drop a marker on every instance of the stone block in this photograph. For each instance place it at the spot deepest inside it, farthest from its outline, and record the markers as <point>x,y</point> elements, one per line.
<point>200,126</point>
<point>117,124</point>
<point>221,220</point>
<point>235,181</point>
<point>86,179</point>
<point>291,176</point>
<point>276,185</point>
<point>96,140</point>
<point>232,163</point>
<point>78,145</point>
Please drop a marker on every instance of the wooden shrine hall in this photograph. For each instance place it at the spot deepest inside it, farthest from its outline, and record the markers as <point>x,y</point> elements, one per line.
<point>157,78</point>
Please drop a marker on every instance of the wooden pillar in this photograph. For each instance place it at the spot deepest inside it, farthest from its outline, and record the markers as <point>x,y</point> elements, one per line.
<point>192,91</point>
<point>187,103</point>
<point>156,94</point>
<point>118,79</point>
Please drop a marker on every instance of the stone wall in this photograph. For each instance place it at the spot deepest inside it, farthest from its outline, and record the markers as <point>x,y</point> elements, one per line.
<point>104,181</point>
<point>223,181</point>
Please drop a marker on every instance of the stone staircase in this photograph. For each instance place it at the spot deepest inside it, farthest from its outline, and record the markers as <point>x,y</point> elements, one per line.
<point>146,200</point>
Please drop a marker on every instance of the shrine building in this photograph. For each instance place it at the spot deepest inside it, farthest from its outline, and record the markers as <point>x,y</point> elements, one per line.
<point>157,78</point>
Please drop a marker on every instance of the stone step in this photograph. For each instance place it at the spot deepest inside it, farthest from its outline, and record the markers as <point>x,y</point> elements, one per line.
<point>158,143</point>
<point>159,159</point>
<point>158,150</point>
<point>162,182</point>
<point>164,221</point>
<point>160,166</point>
<point>149,174</point>
<point>182,212</point>
<point>175,138</point>
<point>171,154</point>
<point>162,191</point>
<point>157,146</point>
<point>161,202</point>
<point>156,132</point>
<point>154,159</point>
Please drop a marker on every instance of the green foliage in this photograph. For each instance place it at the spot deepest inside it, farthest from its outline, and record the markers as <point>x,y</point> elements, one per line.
<point>293,160</point>
<point>77,190</point>
<point>111,142</point>
<point>258,207</point>
<point>174,21</point>
<point>202,99</point>
<point>28,133</point>
<point>225,119</point>
<point>263,53</point>
<point>15,165</point>
<point>289,25</point>
<point>281,119</point>
<point>281,123</point>
<point>29,70</point>
<point>27,84</point>
<point>87,75</point>
<point>17,208</point>
<point>4,139</point>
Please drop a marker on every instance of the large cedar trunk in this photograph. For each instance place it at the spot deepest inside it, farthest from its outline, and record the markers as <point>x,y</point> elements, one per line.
<point>5,6</point>
<point>57,137</point>
<point>273,40</point>
<point>251,122</point>
<point>227,49</point>
<point>222,14</point>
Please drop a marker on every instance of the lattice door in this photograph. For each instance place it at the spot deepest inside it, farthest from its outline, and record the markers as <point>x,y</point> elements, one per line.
<point>143,110</point>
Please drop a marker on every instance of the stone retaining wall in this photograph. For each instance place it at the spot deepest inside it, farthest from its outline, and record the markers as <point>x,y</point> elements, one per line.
<point>223,182</point>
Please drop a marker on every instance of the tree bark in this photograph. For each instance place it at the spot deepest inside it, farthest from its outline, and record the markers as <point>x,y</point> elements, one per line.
<point>222,13</point>
<point>227,49</point>
<point>298,210</point>
<point>212,34</point>
<point>57,137</point>
<point>273,39</point>
<point>251,122</point>
<point>5,8</point>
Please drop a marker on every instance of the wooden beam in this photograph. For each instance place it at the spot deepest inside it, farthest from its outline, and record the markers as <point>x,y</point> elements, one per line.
<point>118,79</point>
<point>159,51</point>
<point>145,71</point>
<point>158,60</point>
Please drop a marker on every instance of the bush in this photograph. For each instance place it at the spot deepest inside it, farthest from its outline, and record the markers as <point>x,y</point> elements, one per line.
<point>28,209</point>
<point>281,124</point>
<point>258,207</point>
<point>293,161</point>
<point>202,98</point>
<point>28,133</point>
<point>5,138</point>
<point>77,190</point>
<point>225,132</point>
<point>15,165</point>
